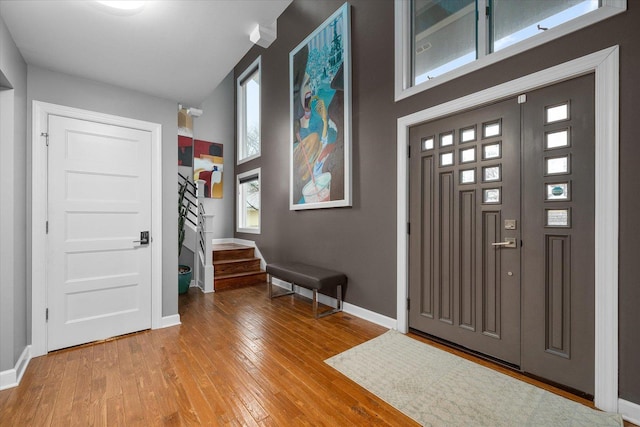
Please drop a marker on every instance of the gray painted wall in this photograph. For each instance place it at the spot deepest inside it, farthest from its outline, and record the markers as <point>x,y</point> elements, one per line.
<point>13,232</point>
<point>361,240</point>
<point>216,125</point>
<point>62,89</point>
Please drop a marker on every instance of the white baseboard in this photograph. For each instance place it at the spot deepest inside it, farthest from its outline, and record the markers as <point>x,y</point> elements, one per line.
<point>351,309</point>
<point>370,316</point>
<point>630,411</point>
<point>11,377</point>
<point>168,321</point>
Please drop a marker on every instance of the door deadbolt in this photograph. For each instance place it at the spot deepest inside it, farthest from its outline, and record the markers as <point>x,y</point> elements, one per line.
<point>144,238</point>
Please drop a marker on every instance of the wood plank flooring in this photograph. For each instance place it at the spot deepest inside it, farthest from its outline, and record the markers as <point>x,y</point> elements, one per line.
<point>238,359</point>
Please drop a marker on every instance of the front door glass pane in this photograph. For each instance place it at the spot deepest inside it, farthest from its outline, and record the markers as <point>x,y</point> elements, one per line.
<point>468,176</point>
<point>557,165</point>
<point>446,159</point>
<point>557,139</point>
<point>446,139</point>
<point>514,21</point>
<point>491,151</point>
<point>427,144</point>
<point>443,37</point>
<point>468,155</point>
<point>557,113</point>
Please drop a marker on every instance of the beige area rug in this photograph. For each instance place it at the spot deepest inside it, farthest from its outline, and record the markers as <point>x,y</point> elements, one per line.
<point>437,388</point>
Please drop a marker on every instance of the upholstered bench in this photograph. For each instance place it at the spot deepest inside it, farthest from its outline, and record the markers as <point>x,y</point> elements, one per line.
<point>310,277</point>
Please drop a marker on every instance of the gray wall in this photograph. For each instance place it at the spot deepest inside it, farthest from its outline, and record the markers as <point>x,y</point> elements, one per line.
<point>216,125</point>
<point>361,240</point>
<point>13,231</point>
<point>62,89</point>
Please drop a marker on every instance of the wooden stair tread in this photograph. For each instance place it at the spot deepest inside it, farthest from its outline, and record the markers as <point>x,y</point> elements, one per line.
<point>233,253</point>
<point>243,274</point>
<point>231,261</point>
<point>229,247</point>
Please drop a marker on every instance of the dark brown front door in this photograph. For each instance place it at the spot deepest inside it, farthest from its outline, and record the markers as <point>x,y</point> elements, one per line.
<point>501,217</point>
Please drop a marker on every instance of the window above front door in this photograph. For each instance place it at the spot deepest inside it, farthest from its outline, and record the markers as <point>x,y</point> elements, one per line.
<point>439,40</point>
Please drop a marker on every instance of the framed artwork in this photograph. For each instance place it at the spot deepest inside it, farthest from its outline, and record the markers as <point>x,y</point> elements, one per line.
<point>320,114</point>
<point>207,168</point>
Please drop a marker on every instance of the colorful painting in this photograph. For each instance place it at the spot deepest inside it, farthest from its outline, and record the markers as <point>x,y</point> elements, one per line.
<point>320,104</point>
<point>207,168</point>
<point>185,138</point>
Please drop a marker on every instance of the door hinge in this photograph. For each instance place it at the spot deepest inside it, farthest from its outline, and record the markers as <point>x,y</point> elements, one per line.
<point>46,314</point>
<point>408,304</point>
<point>408,228</point>
<point>522,99</point>
<point>409,151</point>
<point>46,136</point>
<point>47,227</point>
<point>487,11</point>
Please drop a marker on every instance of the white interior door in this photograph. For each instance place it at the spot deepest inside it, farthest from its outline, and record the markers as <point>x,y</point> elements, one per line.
<point>99,202</point>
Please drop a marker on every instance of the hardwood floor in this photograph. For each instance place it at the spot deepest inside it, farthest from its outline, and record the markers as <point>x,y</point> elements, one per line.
<point>237,359</point>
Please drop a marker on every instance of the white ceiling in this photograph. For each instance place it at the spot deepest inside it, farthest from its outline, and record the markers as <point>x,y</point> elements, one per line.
<point>175,49</point>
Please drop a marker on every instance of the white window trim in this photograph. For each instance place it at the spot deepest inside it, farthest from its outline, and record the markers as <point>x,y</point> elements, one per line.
<point>239,177</point>
<point>255,66</point>
<point>605,65</point>
<point>403,81</point>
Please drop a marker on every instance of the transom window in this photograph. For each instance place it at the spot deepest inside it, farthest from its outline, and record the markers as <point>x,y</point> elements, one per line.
<point>438,40</point>
<point>248,100</point>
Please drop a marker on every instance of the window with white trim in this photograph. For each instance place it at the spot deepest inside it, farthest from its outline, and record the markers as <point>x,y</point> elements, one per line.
<point>248,197</point>
<point>248,101</point>
<point>439,40</point>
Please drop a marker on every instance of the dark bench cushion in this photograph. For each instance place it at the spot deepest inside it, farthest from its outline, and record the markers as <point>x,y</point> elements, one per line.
<point>308,276</point>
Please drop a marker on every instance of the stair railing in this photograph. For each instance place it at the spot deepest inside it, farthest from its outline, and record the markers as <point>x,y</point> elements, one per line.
<point>204,258</point>
<point>190,199</point>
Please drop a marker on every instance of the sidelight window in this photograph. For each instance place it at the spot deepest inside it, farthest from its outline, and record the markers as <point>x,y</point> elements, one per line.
<point>439,40</point>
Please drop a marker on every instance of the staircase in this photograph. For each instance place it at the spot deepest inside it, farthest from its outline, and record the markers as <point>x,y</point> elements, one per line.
<point>235,266</point>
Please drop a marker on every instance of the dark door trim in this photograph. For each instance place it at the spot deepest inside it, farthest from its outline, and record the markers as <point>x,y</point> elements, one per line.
<point>605,66</point>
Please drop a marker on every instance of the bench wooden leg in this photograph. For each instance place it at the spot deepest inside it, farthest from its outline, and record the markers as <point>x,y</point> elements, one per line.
<point>270,286</point>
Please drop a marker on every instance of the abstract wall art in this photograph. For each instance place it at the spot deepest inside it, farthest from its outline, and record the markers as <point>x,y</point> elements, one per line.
<point>207,168</point>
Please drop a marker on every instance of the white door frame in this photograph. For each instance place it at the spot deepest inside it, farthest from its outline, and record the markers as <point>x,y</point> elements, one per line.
<point>605,65</point>
<point>41,111</point>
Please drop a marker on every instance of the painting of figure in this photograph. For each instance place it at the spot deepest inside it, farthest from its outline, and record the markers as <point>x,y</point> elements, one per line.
<point>320,100</point>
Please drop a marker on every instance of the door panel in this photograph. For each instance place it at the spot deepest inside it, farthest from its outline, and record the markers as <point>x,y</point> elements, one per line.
<point>558,256</point>
<point>464,182</point>
<point>99,280</point>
